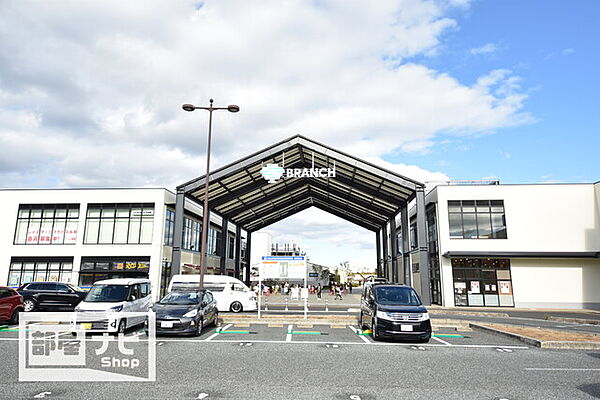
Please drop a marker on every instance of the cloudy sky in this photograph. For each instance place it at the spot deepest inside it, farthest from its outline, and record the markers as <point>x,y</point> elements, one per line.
<point>91,92</point>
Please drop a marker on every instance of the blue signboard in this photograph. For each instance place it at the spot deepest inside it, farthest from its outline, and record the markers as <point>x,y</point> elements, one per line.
<point>283,258</point>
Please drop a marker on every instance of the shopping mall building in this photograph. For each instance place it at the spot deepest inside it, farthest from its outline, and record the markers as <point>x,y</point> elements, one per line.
<point>493,245</point>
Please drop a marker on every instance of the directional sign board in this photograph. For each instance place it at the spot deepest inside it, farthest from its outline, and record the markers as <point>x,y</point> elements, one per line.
<point>283,267</point>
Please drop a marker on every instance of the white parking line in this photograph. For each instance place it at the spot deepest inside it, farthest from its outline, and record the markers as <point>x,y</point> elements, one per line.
<point>361,336</point>
<point>210,341</point>
<point>211,337</point>
<point>562,369</point>
<point>441,341</point>
<point>288,337</point>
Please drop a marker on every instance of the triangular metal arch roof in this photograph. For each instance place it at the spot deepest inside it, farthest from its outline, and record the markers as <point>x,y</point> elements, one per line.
<point>361,192</point>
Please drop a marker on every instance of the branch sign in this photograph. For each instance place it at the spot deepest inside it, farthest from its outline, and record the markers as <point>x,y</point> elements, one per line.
<point>273,172</point>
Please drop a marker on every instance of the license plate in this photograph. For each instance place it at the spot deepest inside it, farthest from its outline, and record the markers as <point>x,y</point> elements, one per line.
<point>166,324</point>
<point>86,326</point>
<point>406,328</point>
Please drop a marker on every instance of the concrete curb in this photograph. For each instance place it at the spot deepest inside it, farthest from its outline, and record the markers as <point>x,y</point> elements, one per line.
<point>545,344</point>
<point>469,313</point>
<point>327,320</point>
<point>576,320</point>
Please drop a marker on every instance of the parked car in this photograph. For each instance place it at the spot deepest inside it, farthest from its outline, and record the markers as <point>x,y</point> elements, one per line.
<point>185,312</point>
<point>115,296</point>
<point>50,295</point>
<point>230,293</point>
<point>11,304</point>
<point>394,311</point>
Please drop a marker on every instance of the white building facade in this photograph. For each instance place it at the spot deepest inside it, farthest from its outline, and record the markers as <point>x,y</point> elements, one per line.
<point>529,246</point>
<point>85,235</point>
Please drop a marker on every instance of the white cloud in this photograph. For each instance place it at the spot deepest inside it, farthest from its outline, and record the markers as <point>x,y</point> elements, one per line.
<point>91,92</point>
<point>112,87</point>
<point>487,48</point>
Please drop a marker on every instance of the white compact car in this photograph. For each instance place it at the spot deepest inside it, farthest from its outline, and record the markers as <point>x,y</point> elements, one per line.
<point>230,293</point>
<point>115,296</point>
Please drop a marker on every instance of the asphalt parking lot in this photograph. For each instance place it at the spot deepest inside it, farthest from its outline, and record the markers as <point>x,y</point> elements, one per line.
<point>322,361</point>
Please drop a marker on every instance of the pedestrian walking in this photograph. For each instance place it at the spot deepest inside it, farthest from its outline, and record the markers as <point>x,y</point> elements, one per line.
<point>338,292</point>
<point>318,289</point>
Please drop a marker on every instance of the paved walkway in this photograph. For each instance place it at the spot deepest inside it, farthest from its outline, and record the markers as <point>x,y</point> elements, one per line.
<point>347,300</point>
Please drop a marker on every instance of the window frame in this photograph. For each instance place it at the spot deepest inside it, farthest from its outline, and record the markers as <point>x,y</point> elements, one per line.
<point>25,213</point>
<point>100,216</point>
<point>478,212</point>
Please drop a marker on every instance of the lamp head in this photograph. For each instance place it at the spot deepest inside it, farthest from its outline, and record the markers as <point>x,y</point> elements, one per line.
<point>188,107</point>
<point>233,108</point>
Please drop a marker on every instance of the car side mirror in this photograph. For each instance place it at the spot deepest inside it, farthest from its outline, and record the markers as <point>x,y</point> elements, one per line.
<point>132,298</point>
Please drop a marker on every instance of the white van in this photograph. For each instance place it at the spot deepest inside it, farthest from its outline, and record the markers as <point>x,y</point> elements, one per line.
<point>230,293</point>
<point>116,295</point>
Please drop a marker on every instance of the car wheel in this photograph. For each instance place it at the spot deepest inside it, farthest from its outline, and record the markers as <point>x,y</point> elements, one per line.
<point>236,307</point>
<point>215,319</point>
<point>14,320</point>
<point>122,326</point>
<point>29,305</point>
<point>199,327</point>
<point>361,321</point>
<point>376,335</point>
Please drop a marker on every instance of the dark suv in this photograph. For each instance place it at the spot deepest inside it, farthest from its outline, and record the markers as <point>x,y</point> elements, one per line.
<point>394,311</point>
<point>50,295</point>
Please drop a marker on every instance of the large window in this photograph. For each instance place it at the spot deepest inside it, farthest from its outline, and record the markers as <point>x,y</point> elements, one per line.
<point>432,250</point>
<point>119,224</point>
<point>27,269</point>
<point>191,234</point>
<point>169,227</point>
<point>231,247</point>
<point>47,224</point>
<point>214,241</point>
<point>98,268</point>
<point>477,219</point>
<point>482,282</point>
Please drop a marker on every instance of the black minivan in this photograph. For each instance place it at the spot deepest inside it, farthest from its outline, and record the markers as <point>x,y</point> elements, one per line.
<point>394,311</point>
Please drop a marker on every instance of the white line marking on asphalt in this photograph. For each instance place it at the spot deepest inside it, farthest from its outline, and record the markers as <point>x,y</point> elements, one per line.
<point>481,346</point>
<point>367,341</point>
<point>441,341</point>
<point>202,396</point>
<point>211,337</point>
<point>41,395</point>
<point>288,337</point>
<point>353,309</point>
<point>562,369</point>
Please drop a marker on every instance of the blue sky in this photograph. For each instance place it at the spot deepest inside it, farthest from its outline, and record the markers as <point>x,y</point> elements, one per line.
<point>554,48</point>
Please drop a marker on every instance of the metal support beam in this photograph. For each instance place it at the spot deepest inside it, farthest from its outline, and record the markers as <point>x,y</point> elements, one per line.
<point>248,266</point>
<point>394,245</point>
<point>223,247</point>
<point>178,234</point>
<point>423,248</point>
<point>238,250</point>
<point>378,250</point>
<point>384,241</point>
<point>405,229</point>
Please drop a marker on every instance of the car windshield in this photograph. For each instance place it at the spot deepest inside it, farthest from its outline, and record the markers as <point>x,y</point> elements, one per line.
<point>397,296</point>
<point>107,294</point>
<point>181,298</point>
